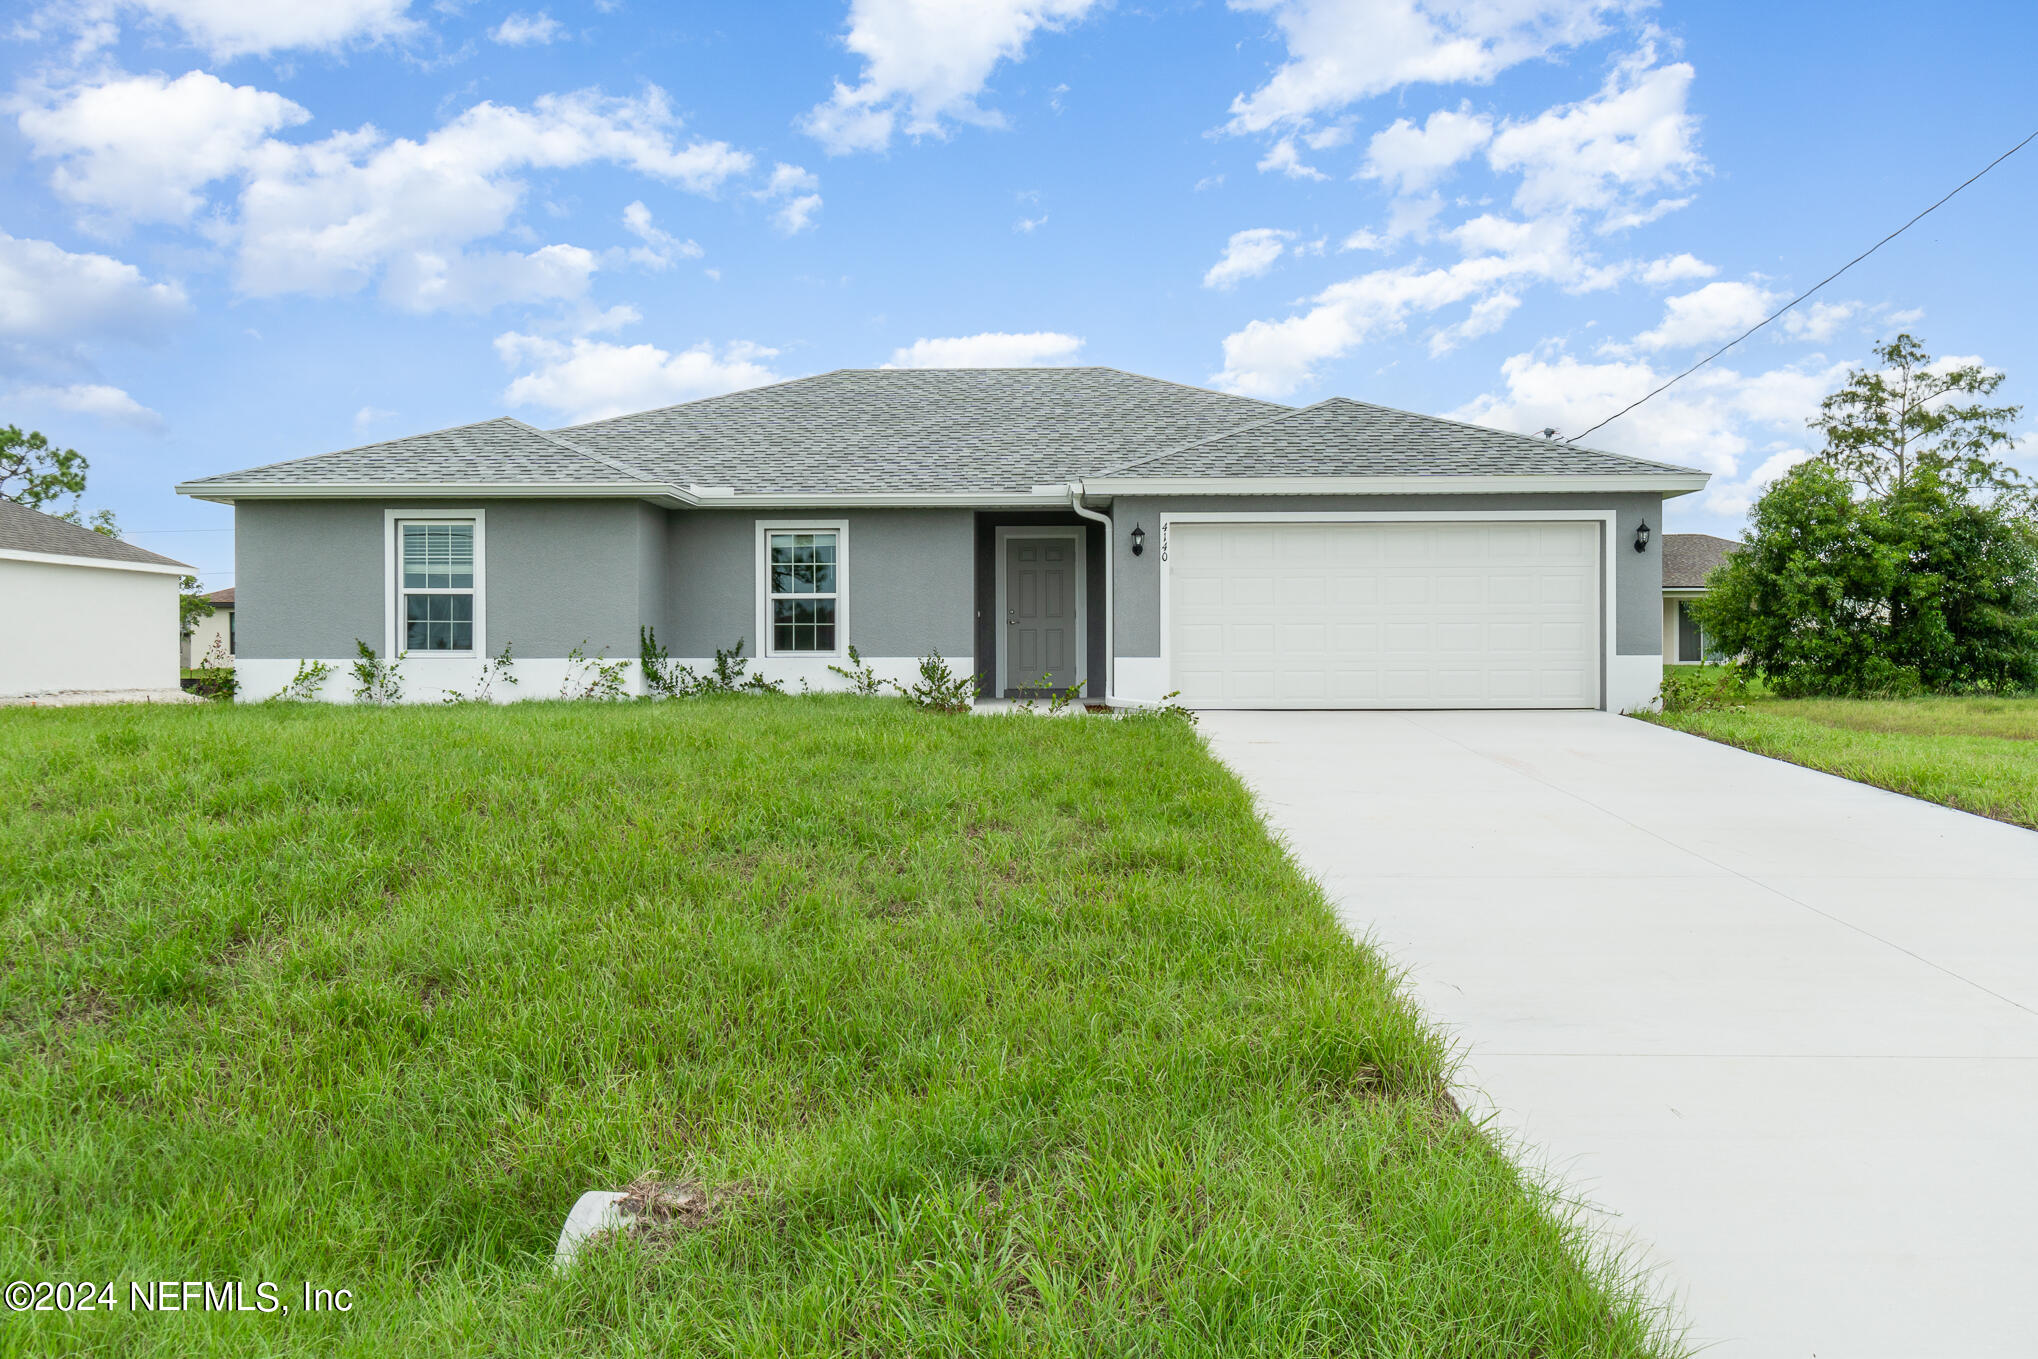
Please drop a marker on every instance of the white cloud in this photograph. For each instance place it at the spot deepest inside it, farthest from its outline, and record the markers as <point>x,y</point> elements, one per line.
<point>925,64</point>
<point>992,349</point>
<point>1611,152</point>
<point>51,297</point>
<point>1275,358</point>
<point>368,417</point>
<point>1341,51</point>
<point>1718,311</point>
<point>338,214</point>
<point>91,398</point>
<point>585,379</point>
<point>232,28</point>
<point>1283,157</point>
<point>1410,159</point>
<point>1744,428</point>
<point>1820,321</point>
<point>1248,254</point>
<point>142,147</point>
<point>1675,269</point>
<point>799,189</point>
<point>525,30</point>
<point>331,216</point>
<point>1026,226</point>
<point>660,248</point>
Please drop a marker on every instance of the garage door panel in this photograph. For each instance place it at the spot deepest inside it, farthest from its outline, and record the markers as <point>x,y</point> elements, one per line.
<point>1435,614</point>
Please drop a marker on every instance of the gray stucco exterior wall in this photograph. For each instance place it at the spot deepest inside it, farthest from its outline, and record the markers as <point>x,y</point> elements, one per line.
<point>909,574</point>
<point>1638,611</point>
<point>310,575</point>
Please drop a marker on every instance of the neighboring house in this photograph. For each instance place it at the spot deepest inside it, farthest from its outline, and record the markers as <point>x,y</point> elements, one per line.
<point>1137,536</point>
<point>1688,558</point>
<point>96,618</point>
<point>216,628</point>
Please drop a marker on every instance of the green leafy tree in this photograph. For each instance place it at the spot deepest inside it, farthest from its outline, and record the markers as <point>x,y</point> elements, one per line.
<point>1911,415</point>
<point>192,604</point>
<point>33,472</point>
<point>1902,558</point>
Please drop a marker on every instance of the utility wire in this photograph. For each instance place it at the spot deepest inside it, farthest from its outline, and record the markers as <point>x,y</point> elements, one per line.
<point>1809,291</point>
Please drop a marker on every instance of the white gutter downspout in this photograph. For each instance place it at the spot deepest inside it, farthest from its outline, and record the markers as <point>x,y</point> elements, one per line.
<point>1110,549</point>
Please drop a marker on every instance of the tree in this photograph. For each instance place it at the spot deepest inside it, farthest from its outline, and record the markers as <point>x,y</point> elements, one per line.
<point>1902,558</point>
<point>33,473</point>
<point>192,604</point>
<point>1886,425</point>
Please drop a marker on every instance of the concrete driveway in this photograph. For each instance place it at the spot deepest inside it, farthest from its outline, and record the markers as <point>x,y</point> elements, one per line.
<point>1780,1029</point>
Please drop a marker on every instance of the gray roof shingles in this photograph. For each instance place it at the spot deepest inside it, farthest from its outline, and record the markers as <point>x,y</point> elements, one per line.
<point>500,450</point>
<point>25,530</point>
<point>965,430</point>
<point>1345,438</point>
<point>1688,558</point>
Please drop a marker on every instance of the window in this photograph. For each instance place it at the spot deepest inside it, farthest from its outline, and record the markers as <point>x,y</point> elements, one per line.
<point>1690,648</point>
<point>435,585</point>
<point>802,589</point>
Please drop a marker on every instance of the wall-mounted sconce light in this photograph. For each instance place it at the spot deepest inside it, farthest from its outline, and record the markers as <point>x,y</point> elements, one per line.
<point>1642,537</point>
<point>1138,540</point>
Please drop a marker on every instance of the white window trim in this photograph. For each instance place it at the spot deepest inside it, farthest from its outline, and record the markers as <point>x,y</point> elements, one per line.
<point>1002,540</point>
<point>392,578</point>
<point>1609,558</point>
<point>767,527</point>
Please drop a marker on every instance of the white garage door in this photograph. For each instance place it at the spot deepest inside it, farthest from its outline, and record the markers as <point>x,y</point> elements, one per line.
<point>1400,615</point>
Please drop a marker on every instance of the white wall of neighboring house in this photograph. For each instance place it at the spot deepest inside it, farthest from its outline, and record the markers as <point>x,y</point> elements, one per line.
<point>104,629</point>
<point>204,632</point>
<point>1671,634</point>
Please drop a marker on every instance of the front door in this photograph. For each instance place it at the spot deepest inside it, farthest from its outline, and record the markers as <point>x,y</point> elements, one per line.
<point>1042,617</point>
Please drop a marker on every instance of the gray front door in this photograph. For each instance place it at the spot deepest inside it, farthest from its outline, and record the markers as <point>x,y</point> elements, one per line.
<point>1040,614</point>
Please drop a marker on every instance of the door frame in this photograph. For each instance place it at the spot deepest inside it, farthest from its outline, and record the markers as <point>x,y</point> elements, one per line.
<point>1609,564</point>
<point>1002,554</point>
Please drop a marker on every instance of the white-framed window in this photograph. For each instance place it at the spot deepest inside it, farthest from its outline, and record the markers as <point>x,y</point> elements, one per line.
<point>435,575</point>
<point>803,588</point>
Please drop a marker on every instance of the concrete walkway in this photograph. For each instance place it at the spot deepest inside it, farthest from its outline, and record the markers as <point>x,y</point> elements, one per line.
<point>1779,1028</point>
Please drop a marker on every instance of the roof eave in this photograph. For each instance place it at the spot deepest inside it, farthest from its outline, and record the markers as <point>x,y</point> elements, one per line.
<point>1511,483</point>
<point>165,567</point>
<point>226,493</point>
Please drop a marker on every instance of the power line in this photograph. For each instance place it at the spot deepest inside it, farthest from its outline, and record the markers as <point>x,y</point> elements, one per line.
<point>1809,291</point>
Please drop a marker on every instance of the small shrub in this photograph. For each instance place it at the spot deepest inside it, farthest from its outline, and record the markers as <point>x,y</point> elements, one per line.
<point>376,680</point>
<point>1167,710</point>
<point>306,685</point>
<point>1059,702</point>
<point>216,678</point>
<point>726,676</point>
<point>494,671</point>
<point>597,678</point>
<point>1726,691</point>
<point>862,679</point>
<point>940,689</point>
<point>660,678</point>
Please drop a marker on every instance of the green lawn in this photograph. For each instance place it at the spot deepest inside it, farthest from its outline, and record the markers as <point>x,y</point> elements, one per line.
<point>1978,754</point>
<point>988,1035</point>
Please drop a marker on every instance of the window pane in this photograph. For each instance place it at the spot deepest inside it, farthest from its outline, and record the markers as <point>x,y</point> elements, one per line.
<point>824,611</point>
<point>438,556</point>
<point>438,622</point>
<point>781,611</point>
<point>782,637</point>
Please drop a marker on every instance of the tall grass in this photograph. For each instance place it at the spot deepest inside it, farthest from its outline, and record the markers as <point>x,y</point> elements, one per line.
<point>990,1036</point>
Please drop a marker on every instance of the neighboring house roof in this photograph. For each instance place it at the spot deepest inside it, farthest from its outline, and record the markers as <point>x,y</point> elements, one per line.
<point>1688,558</point>
<point>936,433</point>
<point>223,599</point>
<point>31,532</point>
<point>1345,438</point>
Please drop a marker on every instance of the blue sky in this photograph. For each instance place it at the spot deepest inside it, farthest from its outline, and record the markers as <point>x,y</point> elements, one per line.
<point>234,231</point>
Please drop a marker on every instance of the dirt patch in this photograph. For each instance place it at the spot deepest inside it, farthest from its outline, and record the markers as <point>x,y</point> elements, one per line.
<point>650,1204</point>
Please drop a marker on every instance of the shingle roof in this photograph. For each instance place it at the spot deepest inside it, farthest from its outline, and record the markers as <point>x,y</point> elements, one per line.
<point>918,429</point>
<point>933,430</point>
<point>223,598</point>
<point>498,450</point>
<point>1345,438</point>
<point>26,530</point>
<point>1688,558</point>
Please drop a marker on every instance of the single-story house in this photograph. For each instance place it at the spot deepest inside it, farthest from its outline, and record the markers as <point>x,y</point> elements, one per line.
<point>1688,558</point>
<point>215,629</point>
<point>1139,537</point>
<point>96,618</point>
